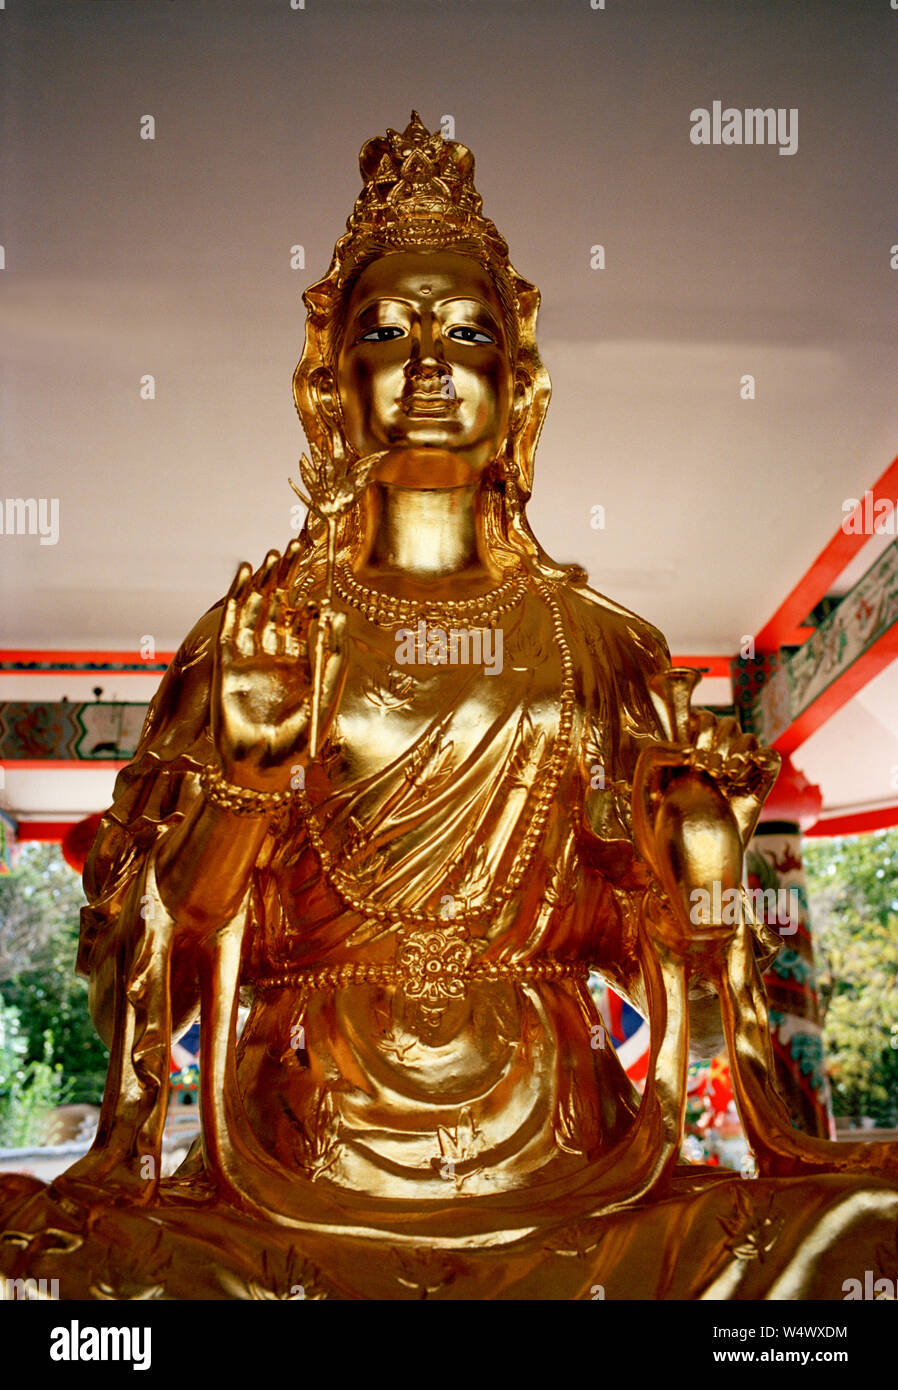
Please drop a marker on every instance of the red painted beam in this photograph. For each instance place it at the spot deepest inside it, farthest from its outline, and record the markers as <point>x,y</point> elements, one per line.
<point>78,658</point>
<point>784,628</point>
<point>856,822</point>
<point>44,830</point>
<point>875,659</point>
<point>710,665</point>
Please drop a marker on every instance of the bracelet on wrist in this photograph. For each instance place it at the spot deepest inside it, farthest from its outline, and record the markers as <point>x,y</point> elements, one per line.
<point>243,801</point>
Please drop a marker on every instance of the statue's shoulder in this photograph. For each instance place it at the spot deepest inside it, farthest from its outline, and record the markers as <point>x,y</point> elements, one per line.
<point>198,647</point>
<point>189,673</point>
<point>177,715</point>
<point>601,616</point>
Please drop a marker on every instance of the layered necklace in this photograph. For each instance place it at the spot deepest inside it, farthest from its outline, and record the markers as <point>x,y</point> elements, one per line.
<point>388,611</point>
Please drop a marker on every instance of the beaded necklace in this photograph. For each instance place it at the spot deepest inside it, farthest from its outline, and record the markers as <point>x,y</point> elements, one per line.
<point>539,809</point>
<point>388,611</point>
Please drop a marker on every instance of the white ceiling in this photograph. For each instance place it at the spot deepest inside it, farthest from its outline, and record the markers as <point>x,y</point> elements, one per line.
<point>854,756</point>
<point>171,257</point>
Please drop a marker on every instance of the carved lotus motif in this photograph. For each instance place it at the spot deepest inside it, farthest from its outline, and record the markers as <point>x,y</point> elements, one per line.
<point>433,964</point>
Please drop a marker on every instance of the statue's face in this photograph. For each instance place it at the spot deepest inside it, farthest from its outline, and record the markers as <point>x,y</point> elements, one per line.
<point>424,365</point>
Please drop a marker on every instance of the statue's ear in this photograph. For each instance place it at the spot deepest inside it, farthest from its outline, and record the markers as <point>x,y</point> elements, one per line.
<point>522,400</point>
<point>306,397</point>
<point>325,398</point>
<point>523,431</point>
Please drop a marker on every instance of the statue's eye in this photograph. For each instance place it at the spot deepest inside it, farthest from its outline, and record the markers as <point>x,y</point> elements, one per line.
<point>386,334</point>
<point>470,335</point>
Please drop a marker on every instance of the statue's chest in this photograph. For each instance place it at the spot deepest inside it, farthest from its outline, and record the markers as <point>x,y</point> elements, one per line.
<point>440,778</point>
<point>441,700</point>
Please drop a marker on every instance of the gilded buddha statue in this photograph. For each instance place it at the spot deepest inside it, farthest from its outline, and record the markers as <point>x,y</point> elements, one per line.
<point>398,793</point>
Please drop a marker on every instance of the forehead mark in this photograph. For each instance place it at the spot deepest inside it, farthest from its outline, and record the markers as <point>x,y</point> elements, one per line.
<point>399,274</point>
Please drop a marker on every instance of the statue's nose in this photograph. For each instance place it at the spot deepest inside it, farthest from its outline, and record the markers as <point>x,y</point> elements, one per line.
<point>426,368</point>
<point>426,359</point>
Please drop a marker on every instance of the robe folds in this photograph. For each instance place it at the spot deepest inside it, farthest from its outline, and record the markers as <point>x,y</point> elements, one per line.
<point>448,1118</point>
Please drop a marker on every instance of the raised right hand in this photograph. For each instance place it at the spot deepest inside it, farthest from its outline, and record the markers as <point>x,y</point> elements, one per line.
<point>261,685</point>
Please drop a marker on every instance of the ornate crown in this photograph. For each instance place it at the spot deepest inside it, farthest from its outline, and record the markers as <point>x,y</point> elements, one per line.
<point>419,191</point>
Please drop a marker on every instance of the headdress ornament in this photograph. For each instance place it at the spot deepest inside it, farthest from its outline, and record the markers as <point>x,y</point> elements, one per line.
<point>419,191</point>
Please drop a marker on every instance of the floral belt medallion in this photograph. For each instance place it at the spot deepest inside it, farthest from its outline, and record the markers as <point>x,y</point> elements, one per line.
<point>433,966</point>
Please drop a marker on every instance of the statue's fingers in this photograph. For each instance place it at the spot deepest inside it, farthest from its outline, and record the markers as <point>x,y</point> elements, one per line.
<point>302,621</point>
<point>746,761</point>
<point>254,609</point>
<point>291,564</point>
<point>738,770</point>
<point>244,643</point>
<point>271,625</point>
<point>335,662</point>
<point>268,571</point>
<point>234,603</point>
<point>337,632</point>
<point>709,760</point>
<point>748,758</point>
<point>655,761</point>
<point>322,622</point>
<point>228,628</point>
<point>255,605</point>
<point>240,583</point>
<point>766,763</point>
<point>704,730</point>
<point>659,752</point>
<point>749,780</point>
<point>726,733</point>
<point>295,647</point>
<point>289,628</point>
<point>767,758</point>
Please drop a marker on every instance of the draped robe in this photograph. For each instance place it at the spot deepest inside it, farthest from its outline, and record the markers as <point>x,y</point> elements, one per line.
<point>368,1139</point>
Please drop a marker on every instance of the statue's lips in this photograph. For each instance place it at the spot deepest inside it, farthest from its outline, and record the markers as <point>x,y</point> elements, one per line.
<point>428,404</point>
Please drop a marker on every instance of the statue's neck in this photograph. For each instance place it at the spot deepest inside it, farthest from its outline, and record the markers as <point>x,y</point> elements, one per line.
<point>426,536</point>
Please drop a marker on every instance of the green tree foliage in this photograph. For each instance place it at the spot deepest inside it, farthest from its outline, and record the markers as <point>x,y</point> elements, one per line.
<point>853,896</point>
<point>39,913</point>
<point>28,1090</point>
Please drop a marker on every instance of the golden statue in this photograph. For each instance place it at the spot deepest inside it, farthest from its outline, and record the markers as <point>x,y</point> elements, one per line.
<point>398,793</point>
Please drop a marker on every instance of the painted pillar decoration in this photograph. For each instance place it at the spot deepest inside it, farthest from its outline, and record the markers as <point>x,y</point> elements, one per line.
<point>774,862</point>
<point>9,844</point>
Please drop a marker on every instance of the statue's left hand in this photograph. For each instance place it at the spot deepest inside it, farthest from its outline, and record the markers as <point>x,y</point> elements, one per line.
<point>741,767</point>
<point>696,801</point>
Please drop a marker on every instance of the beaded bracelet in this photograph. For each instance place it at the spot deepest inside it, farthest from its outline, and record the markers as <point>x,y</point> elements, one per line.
<point>243,801</point>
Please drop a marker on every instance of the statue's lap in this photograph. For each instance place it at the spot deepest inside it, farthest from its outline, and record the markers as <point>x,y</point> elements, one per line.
<point>714,1236</point>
